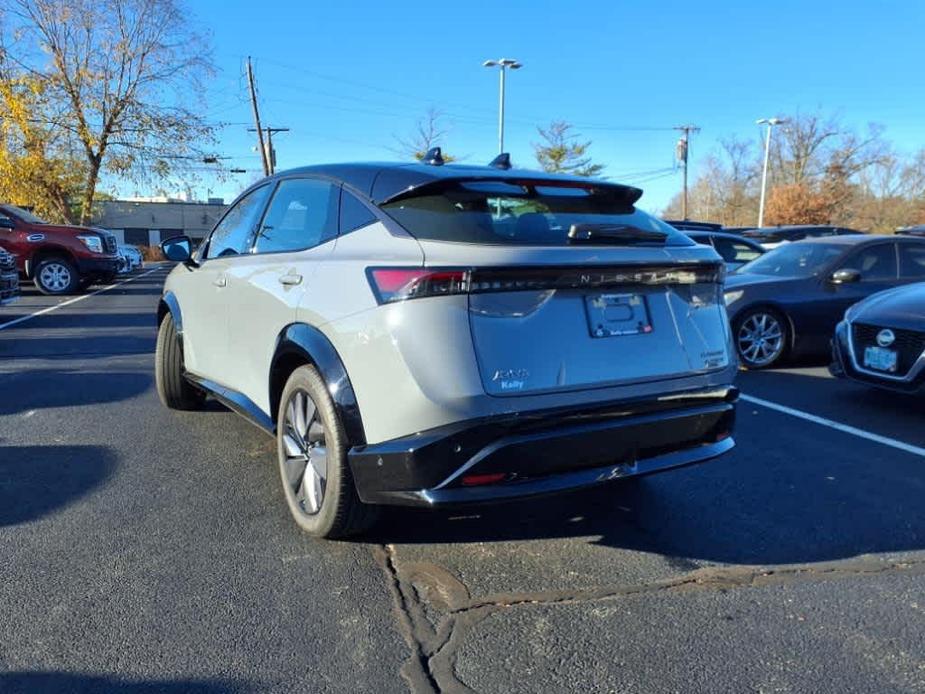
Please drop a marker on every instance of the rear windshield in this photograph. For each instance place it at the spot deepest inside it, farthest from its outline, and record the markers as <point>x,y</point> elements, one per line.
<point>506,214</point>
<point>794,260</point>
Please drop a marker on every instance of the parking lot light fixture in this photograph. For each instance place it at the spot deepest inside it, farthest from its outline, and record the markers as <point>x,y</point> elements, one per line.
<point>503,65</point>
<point>770,122</point>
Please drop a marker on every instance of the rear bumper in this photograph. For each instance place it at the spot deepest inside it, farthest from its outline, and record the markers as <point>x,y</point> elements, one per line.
<point>97,267</point>
<point>843,365</point>
<point>548,451</point>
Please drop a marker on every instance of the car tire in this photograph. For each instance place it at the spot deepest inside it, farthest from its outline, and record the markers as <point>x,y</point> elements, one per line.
<point>56,276</point>
<point>175,392</point>
<point>761,336</point>
<point>312,453</point>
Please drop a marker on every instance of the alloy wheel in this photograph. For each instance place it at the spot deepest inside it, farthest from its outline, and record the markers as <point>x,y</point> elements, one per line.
<point>305,465</point>
<point>55,277</point>
<point>760,339</point>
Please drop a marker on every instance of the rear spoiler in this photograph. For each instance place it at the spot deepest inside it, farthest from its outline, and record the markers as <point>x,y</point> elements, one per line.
<point>628,195</point>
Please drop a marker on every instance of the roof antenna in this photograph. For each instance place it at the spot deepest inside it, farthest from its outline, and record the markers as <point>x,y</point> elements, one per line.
<point>502,161</point>
<point>434,157</point>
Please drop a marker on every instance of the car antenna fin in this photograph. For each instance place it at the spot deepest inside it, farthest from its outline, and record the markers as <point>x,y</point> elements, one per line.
<point>433,157</point>
<point>502,161</point>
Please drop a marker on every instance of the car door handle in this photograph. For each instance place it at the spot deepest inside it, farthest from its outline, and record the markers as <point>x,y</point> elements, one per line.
<point>290,279</point>
<point>220,281</point>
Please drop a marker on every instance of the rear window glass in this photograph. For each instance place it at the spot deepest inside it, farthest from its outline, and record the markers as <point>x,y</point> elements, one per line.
<point>505,213</point>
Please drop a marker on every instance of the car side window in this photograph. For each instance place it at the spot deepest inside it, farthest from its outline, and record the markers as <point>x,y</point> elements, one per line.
<point>735,251</point>
<point>353,213</point>
<point>232,235</point>
<point>302,214</point>
<point>875,263</point>
<point>912,260</point>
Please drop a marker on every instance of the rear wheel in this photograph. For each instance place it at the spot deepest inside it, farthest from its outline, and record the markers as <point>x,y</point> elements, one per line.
<point>173,389</point>
<point>761,336</point>
<point>56,276</point>
<point>313,466</point>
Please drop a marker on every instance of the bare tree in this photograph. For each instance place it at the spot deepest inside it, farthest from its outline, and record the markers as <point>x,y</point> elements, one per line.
<point>429,132</point>
<point>562,152</point>
<point>123,77</point>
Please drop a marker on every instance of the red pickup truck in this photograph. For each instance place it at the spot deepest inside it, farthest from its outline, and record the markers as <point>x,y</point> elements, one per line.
<point>59,259</point>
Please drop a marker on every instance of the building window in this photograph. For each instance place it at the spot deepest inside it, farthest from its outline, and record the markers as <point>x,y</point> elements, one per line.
<point>170,233</point>
<point>137,237</point>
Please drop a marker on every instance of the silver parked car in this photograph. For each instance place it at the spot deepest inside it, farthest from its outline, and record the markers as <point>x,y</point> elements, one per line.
<point>430,335</point>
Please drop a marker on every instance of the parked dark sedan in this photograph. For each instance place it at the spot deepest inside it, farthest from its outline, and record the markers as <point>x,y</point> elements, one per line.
<point>789,300</point>
<point>881,341</point>
<point>917,230</point>
<point>771,237</point>
<point>734,249</point>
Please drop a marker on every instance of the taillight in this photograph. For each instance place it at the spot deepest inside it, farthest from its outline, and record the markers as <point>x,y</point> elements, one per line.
<point>391,284</point>
<point>399,284</point>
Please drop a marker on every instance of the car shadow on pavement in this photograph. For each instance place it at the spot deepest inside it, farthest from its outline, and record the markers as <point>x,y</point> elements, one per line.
<point>36,390</point>
<point>38,480</point>
<point>791,506</point>
<point>74,683</point>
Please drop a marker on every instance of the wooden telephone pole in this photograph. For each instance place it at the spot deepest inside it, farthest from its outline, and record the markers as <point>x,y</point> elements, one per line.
<point>263,150</point>
<point>683,153</point>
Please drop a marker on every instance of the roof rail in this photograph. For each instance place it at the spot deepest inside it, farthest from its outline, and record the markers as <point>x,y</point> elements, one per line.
<point>502,161</point>
<point>433,157</point>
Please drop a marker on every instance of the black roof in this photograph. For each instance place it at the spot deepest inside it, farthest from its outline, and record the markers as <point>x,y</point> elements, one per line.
<point>691,225</point>
<point>703,233</point>
<point>848,239</point>
<point>385,181</point>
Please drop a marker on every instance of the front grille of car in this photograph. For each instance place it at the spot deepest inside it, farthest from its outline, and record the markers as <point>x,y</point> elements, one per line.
<point>109,242</point>
<point>909,344</point>
<point>9,277</point>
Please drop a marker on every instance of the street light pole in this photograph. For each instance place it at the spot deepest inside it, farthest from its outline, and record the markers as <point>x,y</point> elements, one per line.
<point>502,64</point>
<point>770,122</point>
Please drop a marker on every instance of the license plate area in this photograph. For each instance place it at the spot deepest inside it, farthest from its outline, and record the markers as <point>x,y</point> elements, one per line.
<point>880,359</point>
<point>613,315</point>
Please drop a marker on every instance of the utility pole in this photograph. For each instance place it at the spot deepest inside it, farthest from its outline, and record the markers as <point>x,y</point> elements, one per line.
<point>682,151</point>
<point>263,151</point>
<point>270,154</point>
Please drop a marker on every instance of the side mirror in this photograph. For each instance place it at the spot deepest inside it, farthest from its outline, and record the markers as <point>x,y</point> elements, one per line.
<point>6,223</point>
<point>177,248</point>
<point>845,276</point>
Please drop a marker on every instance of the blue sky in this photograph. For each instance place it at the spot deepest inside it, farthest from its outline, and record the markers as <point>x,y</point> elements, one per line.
<point>348,77</point>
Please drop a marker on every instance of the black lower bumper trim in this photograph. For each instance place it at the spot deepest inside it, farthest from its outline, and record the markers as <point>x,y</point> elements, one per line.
<point>545,451</point>
<point>97,267</point>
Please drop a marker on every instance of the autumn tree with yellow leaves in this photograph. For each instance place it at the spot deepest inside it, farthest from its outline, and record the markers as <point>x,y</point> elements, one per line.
<point>94,87</point>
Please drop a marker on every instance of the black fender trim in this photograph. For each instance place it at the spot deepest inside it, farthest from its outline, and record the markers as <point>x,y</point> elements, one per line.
<point>169,303</point>
<point>302,342</point>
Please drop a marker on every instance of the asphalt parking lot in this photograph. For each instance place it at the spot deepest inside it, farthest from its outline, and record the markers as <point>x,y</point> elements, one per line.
<point>145,550</point>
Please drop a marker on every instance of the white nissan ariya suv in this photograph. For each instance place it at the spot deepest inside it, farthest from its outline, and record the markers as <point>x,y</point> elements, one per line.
<point>428,334</point>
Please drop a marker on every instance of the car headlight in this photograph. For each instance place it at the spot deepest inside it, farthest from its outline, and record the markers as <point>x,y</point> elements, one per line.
<point>93,243</point>
<point>733,296</point>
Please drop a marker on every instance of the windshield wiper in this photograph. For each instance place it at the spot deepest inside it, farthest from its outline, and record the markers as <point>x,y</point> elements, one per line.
<point>616,234</point>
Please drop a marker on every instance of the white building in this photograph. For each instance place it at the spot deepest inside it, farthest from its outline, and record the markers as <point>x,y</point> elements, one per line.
<point>148,221</point>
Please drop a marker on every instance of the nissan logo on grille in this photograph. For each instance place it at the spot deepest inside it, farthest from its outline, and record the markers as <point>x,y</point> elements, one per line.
<point>885,337</point>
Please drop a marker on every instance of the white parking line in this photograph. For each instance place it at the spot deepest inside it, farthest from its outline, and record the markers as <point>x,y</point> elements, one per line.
<point>838,426</point>
<point>22,319</point>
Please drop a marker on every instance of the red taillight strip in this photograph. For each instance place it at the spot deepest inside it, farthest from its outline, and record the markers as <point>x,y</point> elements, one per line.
<point>399,284</point>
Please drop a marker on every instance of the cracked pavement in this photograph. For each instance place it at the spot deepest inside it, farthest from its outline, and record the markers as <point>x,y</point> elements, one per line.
<point>150,551</point>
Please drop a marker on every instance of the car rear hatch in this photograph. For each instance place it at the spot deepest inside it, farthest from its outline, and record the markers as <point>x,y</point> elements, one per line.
<point>570,288</point>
